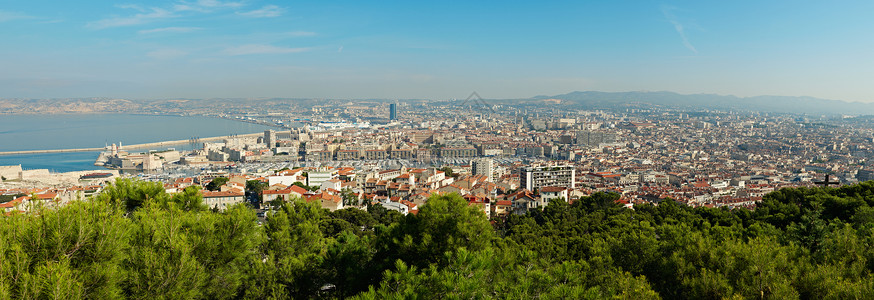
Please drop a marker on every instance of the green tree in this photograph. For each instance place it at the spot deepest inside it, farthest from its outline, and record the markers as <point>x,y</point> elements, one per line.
<point>189,199</point>
<point>508,274</point>
<point>255,186</point>
<point>75,251</point>
<point>295,249</point>
<point>306,187</point>
<point>162,262</point>
<point>448,172</point>
<point>357,217</point>
<point>383,215</point>
<point>217,183</point>
<point>349,198</point>
<point>348,264</point>
<point>133,193</point>
<point>444,224</point>
<point>136,241</point>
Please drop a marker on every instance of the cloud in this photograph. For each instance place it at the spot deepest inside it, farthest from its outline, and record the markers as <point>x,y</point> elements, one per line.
<point>166,54</point>
<point>340,50</point>
<point>667,11</point>
<point>205,5</point>
<point>132,6</point>
<point>268,11</point>
<point>151,15</point>
<point>267,37</point>
<point>261,49</point>
<point>216,3</point>
<point>6,16</point>
<point>170,30</point>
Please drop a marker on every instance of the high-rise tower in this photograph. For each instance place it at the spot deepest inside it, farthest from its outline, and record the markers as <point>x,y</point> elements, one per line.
<point>270,138</point>
<point>483,166</point>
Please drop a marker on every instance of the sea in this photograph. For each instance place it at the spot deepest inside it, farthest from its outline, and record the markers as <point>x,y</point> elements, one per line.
<point>66,131</point>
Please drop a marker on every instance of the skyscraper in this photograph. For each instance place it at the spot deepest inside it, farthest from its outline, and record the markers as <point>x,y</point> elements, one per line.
<point>393,111</point>
<point>270,138</point>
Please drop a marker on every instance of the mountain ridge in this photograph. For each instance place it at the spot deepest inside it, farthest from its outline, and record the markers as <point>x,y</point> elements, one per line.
<point>782,104</point>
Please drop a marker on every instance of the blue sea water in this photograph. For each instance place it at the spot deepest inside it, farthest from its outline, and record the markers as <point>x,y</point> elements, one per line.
<point>43,132</point>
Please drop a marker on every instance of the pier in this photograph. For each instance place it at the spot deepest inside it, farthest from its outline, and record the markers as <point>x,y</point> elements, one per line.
<point>132,147</point>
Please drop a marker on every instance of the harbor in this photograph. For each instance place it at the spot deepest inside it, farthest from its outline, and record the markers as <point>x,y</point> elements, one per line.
<point>71,142</point>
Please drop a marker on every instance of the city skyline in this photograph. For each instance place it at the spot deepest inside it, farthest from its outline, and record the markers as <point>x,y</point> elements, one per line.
<point>208,49</point>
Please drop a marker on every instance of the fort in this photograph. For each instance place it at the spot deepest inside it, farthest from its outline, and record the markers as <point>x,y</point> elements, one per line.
<point>10,173</point>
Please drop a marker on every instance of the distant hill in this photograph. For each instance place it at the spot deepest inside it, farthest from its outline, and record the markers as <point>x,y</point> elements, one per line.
<point>783,104</point>
<point>584,99</point>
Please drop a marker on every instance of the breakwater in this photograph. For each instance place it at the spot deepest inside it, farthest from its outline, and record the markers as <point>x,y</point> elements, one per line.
<point>182,142</point>
<point>51,151</point>
<point>134,146</point>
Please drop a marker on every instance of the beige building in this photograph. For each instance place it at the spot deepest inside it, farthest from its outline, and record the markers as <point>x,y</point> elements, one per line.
<point>401,154</point>
<point>375,154</point>
<point>223,200</point>
<point>10,173</point>
<point>348,155</point>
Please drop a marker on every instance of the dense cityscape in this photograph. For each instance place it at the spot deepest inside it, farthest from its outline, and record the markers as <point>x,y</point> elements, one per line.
<point>499,157</point>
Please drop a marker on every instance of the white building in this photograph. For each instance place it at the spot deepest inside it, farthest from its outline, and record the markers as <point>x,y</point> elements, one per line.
<point>549,193</point>
<point>396,207</point>
<point>286,178</point>
<point>317,178</point>
<point>534,177</point>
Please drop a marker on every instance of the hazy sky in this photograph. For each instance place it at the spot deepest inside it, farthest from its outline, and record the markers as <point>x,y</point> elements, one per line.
<point>434,49</point>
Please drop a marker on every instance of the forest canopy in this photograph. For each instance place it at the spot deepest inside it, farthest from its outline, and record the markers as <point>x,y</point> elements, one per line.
<point>135,241</point>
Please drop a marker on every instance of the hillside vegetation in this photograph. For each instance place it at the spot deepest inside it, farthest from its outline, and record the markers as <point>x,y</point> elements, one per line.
<point>135,241</point>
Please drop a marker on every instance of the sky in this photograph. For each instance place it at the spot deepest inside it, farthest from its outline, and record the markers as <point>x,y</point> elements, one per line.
<point>434,49</point>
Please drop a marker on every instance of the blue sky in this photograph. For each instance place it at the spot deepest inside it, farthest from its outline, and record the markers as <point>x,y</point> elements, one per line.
<point>434,49</point>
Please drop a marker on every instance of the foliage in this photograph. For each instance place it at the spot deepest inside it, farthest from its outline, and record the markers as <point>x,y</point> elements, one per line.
<point>349,198</point>
<point>7,198</point>
<point>131,194</point>
<point>255,186</point>
<point>189,199</point>
<point>306,187</point>
<point>217,183</point>
<point>448,172</point>
<point>136,241</point>
<point>383,215</point>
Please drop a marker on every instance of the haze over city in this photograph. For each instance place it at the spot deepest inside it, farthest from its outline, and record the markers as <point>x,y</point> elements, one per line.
<point>404,49</point>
